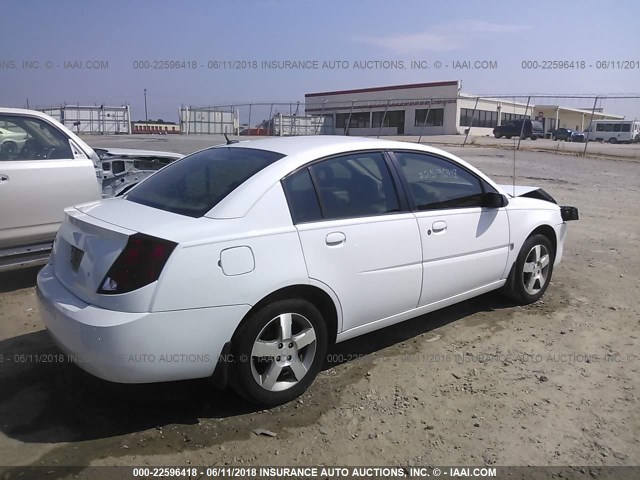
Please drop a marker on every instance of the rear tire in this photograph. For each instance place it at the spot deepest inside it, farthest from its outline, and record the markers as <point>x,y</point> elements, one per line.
<point>613,140</point>
<point>532,271</point>
<point>278,352</point>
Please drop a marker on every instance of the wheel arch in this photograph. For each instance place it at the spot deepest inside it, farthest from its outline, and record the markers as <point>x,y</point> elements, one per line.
<point>544,229</point>
<point>549,232</point>
<point>313,294</point>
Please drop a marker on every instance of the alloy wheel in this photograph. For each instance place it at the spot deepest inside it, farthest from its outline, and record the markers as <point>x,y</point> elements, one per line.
<point>536,269</point>
<point>283,352</point>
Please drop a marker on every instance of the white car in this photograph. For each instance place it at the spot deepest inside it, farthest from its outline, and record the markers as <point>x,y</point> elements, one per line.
<point>44,168</point>
<point>11,141</point>
<point>247,261</point>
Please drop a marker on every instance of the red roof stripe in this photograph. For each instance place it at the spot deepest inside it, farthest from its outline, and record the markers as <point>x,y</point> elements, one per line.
<point>383,89</point>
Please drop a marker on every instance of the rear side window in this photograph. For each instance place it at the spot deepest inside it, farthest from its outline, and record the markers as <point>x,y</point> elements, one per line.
<point>302,198</point>
<point>355,185</point>
<point>195,184</point>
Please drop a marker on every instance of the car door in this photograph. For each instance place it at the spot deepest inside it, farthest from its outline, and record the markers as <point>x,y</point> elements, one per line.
<point>41,173</point>
<point>356,236</point>
<point>464,245</point>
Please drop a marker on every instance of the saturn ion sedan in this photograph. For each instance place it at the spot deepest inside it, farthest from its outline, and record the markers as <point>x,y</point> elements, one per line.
<point>246,261</point>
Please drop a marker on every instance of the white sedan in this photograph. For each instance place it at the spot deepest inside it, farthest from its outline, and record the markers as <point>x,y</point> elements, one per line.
<point>247,261</point>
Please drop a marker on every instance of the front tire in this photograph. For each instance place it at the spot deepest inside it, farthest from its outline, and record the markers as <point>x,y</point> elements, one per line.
<point>278,352</point>
<point>532,270</point>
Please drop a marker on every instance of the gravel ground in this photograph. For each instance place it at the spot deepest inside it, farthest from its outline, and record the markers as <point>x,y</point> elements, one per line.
<point>480,383</point>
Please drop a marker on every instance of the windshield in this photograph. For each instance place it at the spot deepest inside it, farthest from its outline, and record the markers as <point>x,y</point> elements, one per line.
<point>195,184</point>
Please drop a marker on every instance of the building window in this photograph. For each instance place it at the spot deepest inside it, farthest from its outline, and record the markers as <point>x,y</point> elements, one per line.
<point>358,120</point>
<point>393,118</point>
<point>483,118</point>
<point>436,117</point>
<point>510,117</point>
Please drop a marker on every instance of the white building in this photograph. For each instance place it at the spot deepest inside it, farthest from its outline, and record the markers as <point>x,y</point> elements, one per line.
<point>403,109</point>
<point>100,120</point>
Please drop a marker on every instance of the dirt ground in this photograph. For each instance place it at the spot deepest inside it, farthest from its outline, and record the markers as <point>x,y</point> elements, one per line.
<point>480,383</point>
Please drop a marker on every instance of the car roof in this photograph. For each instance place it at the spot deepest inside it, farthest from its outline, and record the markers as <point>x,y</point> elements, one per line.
<point>24,111</point>
<point>300,151</point>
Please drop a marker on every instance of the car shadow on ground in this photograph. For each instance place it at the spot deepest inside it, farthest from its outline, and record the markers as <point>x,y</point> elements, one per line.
<point>18,279</point>
<point>44,398</point>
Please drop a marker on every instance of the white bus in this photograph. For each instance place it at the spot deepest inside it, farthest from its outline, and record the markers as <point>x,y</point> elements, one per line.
<point>615,131</point>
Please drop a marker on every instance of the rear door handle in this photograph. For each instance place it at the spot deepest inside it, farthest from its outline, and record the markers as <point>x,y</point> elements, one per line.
<point>336,238</point>
<point>4,178</point>
<point>439,226</point>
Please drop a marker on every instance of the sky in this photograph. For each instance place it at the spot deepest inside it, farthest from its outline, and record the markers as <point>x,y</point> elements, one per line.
<point>128,39</point>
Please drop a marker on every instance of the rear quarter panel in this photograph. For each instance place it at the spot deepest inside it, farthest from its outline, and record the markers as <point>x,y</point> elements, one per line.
<point>194,277</point>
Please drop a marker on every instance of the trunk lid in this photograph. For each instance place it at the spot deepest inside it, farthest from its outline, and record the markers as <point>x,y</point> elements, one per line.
<point>140,218</point>
<point>92,237</point>
<point>84,250</point>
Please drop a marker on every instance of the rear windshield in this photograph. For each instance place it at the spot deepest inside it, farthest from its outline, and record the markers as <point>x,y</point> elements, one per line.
<point>195,184</point>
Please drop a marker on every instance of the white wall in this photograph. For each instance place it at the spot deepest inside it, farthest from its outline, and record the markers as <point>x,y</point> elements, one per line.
<point>407,99</point>
<point>93,119</point>
<point>206,121</point>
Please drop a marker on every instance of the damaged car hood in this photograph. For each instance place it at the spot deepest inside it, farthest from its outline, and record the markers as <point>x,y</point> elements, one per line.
<point>518,191</point>
<point>122,168</point>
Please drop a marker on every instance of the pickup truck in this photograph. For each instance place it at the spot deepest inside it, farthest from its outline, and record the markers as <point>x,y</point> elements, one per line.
<point>44,168</point>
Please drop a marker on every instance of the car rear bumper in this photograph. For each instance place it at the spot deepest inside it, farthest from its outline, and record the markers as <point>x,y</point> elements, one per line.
<point>142,347</point>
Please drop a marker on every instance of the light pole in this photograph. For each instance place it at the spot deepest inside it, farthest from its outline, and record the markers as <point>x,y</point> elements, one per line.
<point>146,117</point>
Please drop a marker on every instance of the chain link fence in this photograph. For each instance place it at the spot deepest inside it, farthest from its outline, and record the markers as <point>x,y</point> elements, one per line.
<point>562,122</point>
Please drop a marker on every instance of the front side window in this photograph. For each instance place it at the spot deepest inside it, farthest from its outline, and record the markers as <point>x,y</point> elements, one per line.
<point>195,184</point>
<point>436,183</point>
<point>30,138</point>
<point>355,185</point>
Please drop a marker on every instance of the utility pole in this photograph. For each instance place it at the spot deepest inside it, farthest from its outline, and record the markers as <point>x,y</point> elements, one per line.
<point>146,116</point>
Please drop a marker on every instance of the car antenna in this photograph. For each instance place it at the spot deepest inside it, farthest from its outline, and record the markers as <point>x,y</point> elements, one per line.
<point>229,142</point>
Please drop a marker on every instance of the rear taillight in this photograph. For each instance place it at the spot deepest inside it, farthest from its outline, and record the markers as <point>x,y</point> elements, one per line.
<point>139,264</point>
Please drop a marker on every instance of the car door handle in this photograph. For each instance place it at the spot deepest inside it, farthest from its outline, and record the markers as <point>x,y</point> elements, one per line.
<point>4,178</point>
<point>336,238</point>
<point>439,227</point>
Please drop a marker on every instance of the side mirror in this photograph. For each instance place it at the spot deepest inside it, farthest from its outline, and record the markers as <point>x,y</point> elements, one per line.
<point>494,200</point>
